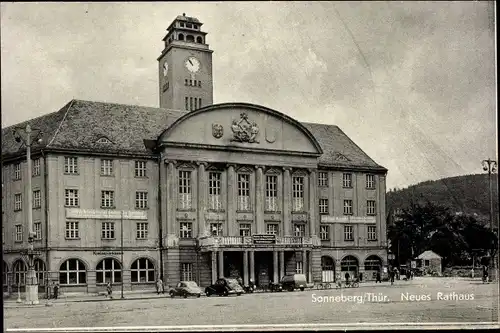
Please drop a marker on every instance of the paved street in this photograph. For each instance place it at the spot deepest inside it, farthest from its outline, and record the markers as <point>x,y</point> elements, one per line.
<point>356,306</point>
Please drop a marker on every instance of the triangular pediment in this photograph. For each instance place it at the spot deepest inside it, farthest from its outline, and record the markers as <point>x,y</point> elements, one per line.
<point>244,169</point>
<point>273,171</point>
<point>299,172</point>
<point>186,165</point>
<point>340,157</point>
<point>214,167</point>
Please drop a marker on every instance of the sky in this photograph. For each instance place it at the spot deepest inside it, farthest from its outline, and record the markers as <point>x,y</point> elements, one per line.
<point>411,83</point>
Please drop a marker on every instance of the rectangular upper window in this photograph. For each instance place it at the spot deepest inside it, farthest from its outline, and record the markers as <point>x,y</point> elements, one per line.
<point>142,230</point>
<point>18,201</point>
<point>71,198</point>
<point>243,191</point>
<point>37,199</point>
<point>298,193</point>
<point>185,190</point>
<point>108,230</point>
<point>324,232</point>
<point>186,230</point>
<point>372,232</point>
<point>141,200</point>
<point>323,206</point>
<point>271,193</point>
<point>370,207</point>
<point>19,233</point>
<point>347,180</point>
<point>348,233</point>
<point>214,190</point>
<point>70,165</point>
<point>107,199</point>
<point>323,179</point>
<point>36,167</point>
<point>370,181</point>
<point>17,171</point>
<point>72,230</point>
<point>106,167</point>
<point>348,207</point>
<point>140,168</point>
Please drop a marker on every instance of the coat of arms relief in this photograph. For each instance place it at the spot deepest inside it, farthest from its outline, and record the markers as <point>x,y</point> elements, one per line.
<point>244,130</point>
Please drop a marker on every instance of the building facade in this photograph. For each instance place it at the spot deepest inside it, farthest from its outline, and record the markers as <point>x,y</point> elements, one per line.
<point>189,191</point>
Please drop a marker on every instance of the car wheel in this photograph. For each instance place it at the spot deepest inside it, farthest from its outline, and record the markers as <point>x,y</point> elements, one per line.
<point>290,288</point>
<point>199,295</point>
<point>302,289</point>
<point>225,293</point>
<point>185,295</point>
<point>172,294</point>
<point>239,294</point>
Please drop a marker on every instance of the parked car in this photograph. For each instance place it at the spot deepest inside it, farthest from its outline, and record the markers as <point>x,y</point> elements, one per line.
<point>185,289</point>
<point>294,281</point>
<point>224,287</point>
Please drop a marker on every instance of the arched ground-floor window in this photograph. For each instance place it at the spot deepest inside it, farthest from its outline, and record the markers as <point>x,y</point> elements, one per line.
<point>19,270</point>
<point>349,265</point>
<point>40,272</point>
<point>5,275</point>
<point>142,271</point>
<point>373,264</point>
<point>327,269</point>
<point>72,271</point>
<point>108,270</point>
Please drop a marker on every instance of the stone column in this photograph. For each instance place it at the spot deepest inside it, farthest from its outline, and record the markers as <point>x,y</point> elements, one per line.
<point>313,202</point>
<point>304,263</point>
<point>310,267</point>
<point>282,264</point>
<point>171,199</point>
<point>214,266</point>
<point>259,200</point>
<point>164,194</point>
<point>231,201</point>
<point>287,201</point>
<point>221,264</point>
<point>252,265</point>
<point>202,198</point>
<point>245,268</point>
<point>275,267</point>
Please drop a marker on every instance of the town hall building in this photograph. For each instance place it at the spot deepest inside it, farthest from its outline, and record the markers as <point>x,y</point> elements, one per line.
<point>189,191</point>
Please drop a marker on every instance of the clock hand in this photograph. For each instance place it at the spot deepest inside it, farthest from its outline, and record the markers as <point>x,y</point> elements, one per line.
<point>190,62</point>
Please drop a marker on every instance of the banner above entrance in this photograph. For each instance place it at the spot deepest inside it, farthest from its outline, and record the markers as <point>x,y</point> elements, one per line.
<point>348,219</point>
<point>77,213</point>
<point>264,239</point>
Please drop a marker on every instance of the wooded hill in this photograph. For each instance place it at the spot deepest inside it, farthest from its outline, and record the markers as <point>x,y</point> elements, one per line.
<point>468,194</point>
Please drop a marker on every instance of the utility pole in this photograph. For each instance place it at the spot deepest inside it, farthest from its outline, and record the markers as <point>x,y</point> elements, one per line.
<point>491,166</point>
<point>25,136</point>
<point>121,231</point>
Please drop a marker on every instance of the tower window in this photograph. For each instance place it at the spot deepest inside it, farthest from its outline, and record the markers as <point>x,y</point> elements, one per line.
<point>181,37</point>
<point>181,24</point>
<point>195,26</point>
<point>199,83</point>
<point>199,102</point>
<point>186,82</point>
<point>191,103</point>
<point>186,100</point>
<point>199,40</point>
<point>195,103</point>
<point>189,25</point>
<point>189,38</point>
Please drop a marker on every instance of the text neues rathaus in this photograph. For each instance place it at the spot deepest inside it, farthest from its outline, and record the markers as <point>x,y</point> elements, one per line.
<point>202,190</point>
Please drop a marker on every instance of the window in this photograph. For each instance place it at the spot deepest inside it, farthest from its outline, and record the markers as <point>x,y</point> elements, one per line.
<point>142,271</point>
<point>108,230</point>
<point>298,194</point>
<point>199,99</point>
<point>370,207</point>
<point>272,229</point>
<point>426,263</point>
<point>72,230</point>
<point>186,230</point>
<point>142,230</point>
<point>372,232</point>
<point>323,206</point>
<point>106,167</point>
<point>36,167</point>
<point>37,199</point>
<point>37,228</point>
<point>5,273</point>
<point>271,193</point>
<point>19,233</point>
<point>40,271</point>
<point>214,190</point>
<point>141,200</point>
<point>216,229</point>
<point>299,267</point>
<point>186,99</point>
<point>140,168</point>
<point>243,192</point>
<point>187,271</point>
<point>72,271</point>
<point>18,201</point>
<point>107,199</point>
<point>347,180</point>
<point>108,270</point>
<point>184,189</point>
<point>348,207</point>
<point>245,229</point>
<point>299,230</point>
<point>185,82</point>
<point>323,179</point>
<point>71,165</point>
<point>71,198</point>
<point>370,181</point>
<point>348,233</point>
<point>195,103</point>
<point>191,103</point>
<point>20,273</point>
<point>324,232</point>
<point>17,171</point>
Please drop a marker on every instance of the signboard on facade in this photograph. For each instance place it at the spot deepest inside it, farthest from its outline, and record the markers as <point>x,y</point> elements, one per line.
<point>413,264</point>
<point>299,217</point>
<point>264,239</point>
<point>107,253</point>
<point>77,213</point>
<point>348,219</point>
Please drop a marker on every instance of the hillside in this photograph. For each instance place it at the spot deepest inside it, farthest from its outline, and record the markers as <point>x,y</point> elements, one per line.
<point>468,194</point>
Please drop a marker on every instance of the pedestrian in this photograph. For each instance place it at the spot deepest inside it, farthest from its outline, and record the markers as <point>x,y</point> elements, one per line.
<point>159,286</point>
<point>392,274</point>
<point>360,277</point>
<point>346,277</point>
<point>109,289</point>
<point>378,277</point>
<point>56,290</point>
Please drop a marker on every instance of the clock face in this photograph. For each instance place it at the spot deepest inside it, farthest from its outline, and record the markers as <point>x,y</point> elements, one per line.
<point>192,64</point>
<point>165,68</point>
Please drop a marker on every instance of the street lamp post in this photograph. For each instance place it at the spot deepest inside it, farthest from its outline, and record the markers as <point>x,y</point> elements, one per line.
<point>491,166</point>
<point>25,135</point>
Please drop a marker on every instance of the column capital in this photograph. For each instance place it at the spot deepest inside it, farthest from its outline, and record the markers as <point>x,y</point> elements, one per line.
<point>173,162</point>
<point>262,167</point>
<point>198,163</point>
<point>289,169</point>
<point>312,170</point>
<point>229,165</point>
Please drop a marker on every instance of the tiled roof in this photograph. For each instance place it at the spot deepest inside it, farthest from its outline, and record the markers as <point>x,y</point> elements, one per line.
<point>429,255</point>
<point>80,124</point>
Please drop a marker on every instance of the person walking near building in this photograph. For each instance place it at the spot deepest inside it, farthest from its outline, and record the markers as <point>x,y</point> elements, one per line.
<point>159,286</point>
<point>109,289</point>
<point>56,290</point>
<point>378,277</point>
<point>347,276</point>
<point>392,273</point>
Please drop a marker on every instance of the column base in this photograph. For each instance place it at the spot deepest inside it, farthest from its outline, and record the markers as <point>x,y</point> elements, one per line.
<point>31,294</point>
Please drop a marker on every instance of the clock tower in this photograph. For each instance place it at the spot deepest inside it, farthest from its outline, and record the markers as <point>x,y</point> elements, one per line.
<point>185,66</point>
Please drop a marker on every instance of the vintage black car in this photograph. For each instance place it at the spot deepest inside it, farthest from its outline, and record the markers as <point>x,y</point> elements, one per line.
<point>185,289</point>
<point>224,287</point>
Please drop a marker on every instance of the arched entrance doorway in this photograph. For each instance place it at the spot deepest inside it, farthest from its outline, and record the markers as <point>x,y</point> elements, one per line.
<point>373,264</point>
<point>327,269</point>
<point>349,265</point>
